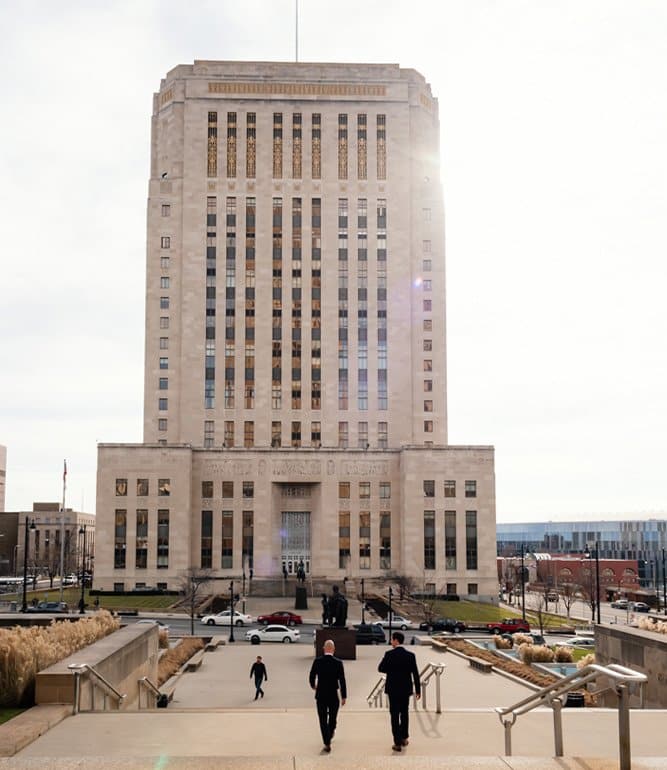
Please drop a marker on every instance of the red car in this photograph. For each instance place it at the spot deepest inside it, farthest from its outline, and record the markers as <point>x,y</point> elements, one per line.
<point>507,626</point>
<point>281,616</point>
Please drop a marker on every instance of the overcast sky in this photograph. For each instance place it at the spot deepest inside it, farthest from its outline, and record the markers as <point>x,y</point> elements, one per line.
<point>554,153</point>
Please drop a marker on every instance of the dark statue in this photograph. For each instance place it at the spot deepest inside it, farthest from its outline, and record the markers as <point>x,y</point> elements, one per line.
<point>337,608</point>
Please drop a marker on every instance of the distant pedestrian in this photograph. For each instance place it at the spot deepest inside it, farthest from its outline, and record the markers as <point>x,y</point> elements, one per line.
<point>326,677</point>
<point>258,670</point>
<point>400,666</point>
<point>325,610</point>
<point>284,572</point>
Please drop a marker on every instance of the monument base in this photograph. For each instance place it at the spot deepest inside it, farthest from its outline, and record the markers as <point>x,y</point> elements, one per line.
<point>345,640</point>
<point>300,598</point>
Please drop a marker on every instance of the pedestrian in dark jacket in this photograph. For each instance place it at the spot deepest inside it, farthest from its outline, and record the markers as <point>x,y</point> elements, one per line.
<point>258,670</point>
<point>327,676</point>
<point>400,666</point>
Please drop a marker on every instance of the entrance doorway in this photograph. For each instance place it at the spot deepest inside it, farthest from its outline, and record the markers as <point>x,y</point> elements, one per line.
<point>295,540</point>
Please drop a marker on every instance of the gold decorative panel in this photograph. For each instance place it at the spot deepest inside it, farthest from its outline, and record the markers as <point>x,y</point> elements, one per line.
<point>277,145</point>
<point>297,89</point>
<point>212,145</point>
<point>381,146</point>
<point>296,145</point>
<point>251,145</point>
<point>231,145</point>
<point>342,146</point>
<point>316,150</point>
<point>362,148</point>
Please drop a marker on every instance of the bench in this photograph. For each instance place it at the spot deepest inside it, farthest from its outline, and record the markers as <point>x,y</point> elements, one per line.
<point>195,661</point>
<point>213,645</point>
<point>481,665</point>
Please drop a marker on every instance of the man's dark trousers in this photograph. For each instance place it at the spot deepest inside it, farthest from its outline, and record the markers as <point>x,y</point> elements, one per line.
<point>327,711</point>
<point>399,711</point>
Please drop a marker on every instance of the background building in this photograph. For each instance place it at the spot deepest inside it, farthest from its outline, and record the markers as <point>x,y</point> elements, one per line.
<point>3,476</point>
<point>295,373</point>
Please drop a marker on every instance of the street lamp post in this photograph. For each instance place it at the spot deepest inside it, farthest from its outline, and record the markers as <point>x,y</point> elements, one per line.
<point>28,526</point>
<point>243,594</point>
<point>588,555</point>
<point>82,601</point>
<point>391,593</point>
<point>664,584</point>
<point>363,602</point>
<point>523,583</point>
<point>231,611</point>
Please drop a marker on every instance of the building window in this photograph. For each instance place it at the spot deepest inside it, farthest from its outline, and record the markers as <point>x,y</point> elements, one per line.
<point>315,434</point>
<point>166,210</point>
<point>383,435</point>
<point>248,489</point>
<point>231,145</point>
<point>121,487</point>
<point>451,589</point>
<point>343,435</point>
<point>471,539</point>
<point>296,145</point>
<point>251,144</point>
<point>343,539</point>
<point>471,489</point>
<point>364,490</point>
<point>164,303</point>
<point>207,489</point>
<point>164,322</point>
<point>362,149</point>
<point>363,435</point>
<point>427,265</point>
<point>141,547</point>
<point>164,487</point>
<point>428,426</point>
<point>228,489</point>
<point>165,242</point>
<point>164,343</point>
<point>164,362</point>
<point>450,488</point>
<point>343,490</point>
<point>212,145</point>
<point>428,365</point>
<point>206,548</point>
<point>296,434</point>
<point>429,539</point>
<point>427,305</point>
<point>209,433</point>
<point>316,149</point>
<point>248,544</point>
<point>385,540</point>
<point>428,386</point>
<point>227,540</point>
<point>364,540</point>
<point>342,146</point>
<point>164,282</point>
<point>162,424</point>
<point>164,263</point>
<point>428,345</point>
<point>429,488</point>
<point>428,405</point>
<point>248,433</point>
<point>472,589</point>
<point>450,539</point>
<point>276,434</point>
<point>162,405</point>
<point>381,143</point>
<point>277,145</point>
<point>428,325</point>
<point>162,539</point>
<point>142,487</point>
<point>120,538</point>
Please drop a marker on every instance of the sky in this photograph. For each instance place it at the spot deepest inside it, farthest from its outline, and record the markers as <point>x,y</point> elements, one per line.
<point>554,166</point>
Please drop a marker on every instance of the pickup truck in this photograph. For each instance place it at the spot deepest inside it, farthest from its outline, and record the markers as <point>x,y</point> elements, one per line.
<point>507,626</point>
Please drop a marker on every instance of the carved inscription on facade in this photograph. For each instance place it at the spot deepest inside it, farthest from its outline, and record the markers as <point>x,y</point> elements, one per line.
<point>364,468</point>
<point>297,468</point>
<point>231,467</point>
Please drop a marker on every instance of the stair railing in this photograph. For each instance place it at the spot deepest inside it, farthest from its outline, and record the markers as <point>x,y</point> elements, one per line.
<point>96,681</point>
<point>376,696</point>
<point>145,683</point>
<point>623,680</point>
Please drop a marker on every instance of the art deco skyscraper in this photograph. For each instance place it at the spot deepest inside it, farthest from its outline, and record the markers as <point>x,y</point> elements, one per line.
<point>295,375</point>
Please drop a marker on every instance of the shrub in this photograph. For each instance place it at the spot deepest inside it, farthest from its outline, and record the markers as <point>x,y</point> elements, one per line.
<point>25,650</point>
<point>536,653</point>
<point>163,641</point>
<point>522,639</point>
<point>173,659</point>
<point>563,655</point>
<point>648,624</point>
<point>502,644</point>
<point>586,660</point>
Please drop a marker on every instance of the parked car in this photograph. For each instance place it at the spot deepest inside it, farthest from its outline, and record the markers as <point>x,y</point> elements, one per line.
<point>284,617</point>
<point>370,633</point>
<point>620,604</point>
<point>272,633</point>
<point>444,624</point>
<point>507,626</point>
<point>580,641</point>
<point>69,580</point>
<point>161,626</point>
<point>49,607</point>
<point>223,618</point>
<point>397,621</point>
<point>639,607</point>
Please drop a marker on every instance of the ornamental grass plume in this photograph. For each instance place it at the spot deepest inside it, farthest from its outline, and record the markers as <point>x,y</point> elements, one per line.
<point>173,659</point>
<point>26,650</point>
<point>523,639</point>
<point>586,660</point>
<point>563,654</point>
<point>649,624</point>
<point>536,653</point>
<point>503,644</point>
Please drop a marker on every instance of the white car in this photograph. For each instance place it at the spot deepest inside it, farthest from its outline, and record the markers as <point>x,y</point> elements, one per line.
<point>222,619</point>
<point>397,622</point>
<point>272,633</point>
<point>580,641</point>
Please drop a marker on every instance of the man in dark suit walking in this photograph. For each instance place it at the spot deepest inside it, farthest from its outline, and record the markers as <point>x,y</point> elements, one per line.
<point>400,666</point>
<point>327,676</point>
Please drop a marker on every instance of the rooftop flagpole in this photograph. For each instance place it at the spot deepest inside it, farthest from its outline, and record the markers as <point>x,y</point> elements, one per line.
<point>62,530</point>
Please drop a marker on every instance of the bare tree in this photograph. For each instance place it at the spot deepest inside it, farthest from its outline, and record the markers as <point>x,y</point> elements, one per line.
<point>192,583</point>
<point>568,595</point>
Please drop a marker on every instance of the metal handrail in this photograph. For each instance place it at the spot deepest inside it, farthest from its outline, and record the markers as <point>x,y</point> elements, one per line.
<point>80,668</point>
<point>375,699</point>
<point>622,678</point>
<point>146,682</point>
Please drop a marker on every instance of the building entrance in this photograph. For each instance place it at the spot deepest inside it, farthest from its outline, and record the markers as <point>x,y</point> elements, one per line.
<point>295,540</point>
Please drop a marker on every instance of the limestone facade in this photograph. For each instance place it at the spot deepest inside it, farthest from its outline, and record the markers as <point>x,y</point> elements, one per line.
<point>295,339</point>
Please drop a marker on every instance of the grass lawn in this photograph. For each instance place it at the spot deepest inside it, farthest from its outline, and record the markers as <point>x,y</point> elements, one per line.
<point>478,613</point>
<point>7,714</point>
<point>115,602</point>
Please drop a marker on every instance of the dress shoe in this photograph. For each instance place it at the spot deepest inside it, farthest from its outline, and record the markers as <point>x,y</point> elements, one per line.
<point>261,693</point>
<point>396,747</point>
<point>405,742</point>
<point>327,747</point>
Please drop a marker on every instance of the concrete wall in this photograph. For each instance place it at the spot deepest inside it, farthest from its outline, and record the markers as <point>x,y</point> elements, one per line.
<point>122,658</point>
<point>640,650</point>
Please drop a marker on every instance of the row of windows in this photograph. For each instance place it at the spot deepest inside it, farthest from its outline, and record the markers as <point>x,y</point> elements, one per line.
<point>230,151</point>
<point>470,488</point>
<point>143,487</point>
<point>141,530</point>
